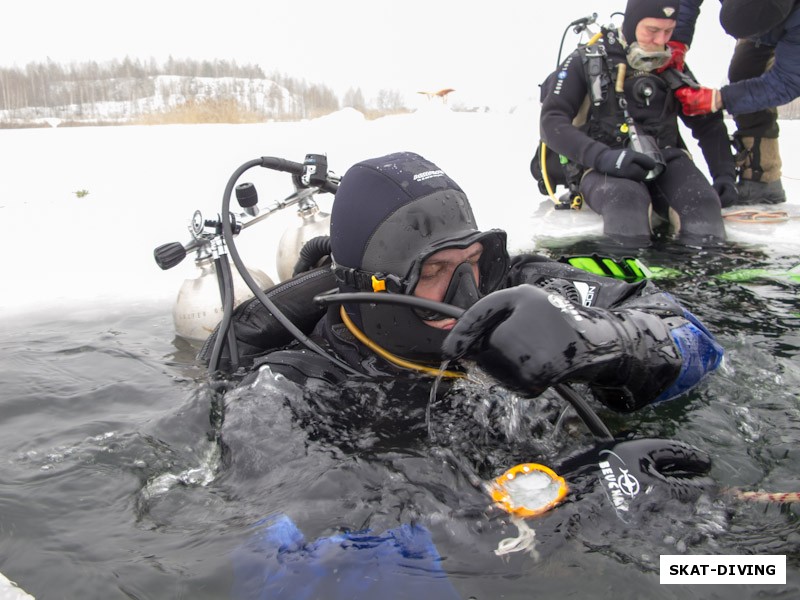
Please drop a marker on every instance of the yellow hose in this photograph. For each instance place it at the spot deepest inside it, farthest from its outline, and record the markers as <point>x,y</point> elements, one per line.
<point>545,177</point>
<point>400,362</point>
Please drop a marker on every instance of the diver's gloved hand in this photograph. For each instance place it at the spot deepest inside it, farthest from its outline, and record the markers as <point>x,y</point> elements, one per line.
<point>677,57</point>
<point>530,339</point>
<point>633,470</point>
<point>625,163</point>
<point>726,189</point>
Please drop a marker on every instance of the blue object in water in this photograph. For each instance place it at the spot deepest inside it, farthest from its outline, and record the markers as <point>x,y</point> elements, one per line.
<point>277,562</point>
<point>701,354</point>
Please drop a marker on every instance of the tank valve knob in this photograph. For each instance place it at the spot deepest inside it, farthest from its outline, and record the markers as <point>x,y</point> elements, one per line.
<point>247,196</point>
<point>169,255</point>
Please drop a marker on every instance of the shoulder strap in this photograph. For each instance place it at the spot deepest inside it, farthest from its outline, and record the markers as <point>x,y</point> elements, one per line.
<point>596,69</point>
<point>600,60</point>
<point>677,79</point>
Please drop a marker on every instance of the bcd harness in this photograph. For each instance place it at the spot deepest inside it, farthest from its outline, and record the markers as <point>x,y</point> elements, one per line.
<point>602,116</point>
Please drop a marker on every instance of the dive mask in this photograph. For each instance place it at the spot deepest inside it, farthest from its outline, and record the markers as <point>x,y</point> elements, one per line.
<point>402,330</point>
<point>463,290</point>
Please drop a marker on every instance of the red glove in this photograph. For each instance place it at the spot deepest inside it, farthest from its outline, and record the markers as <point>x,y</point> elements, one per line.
<point>678,57</point>
<point>700,101</point>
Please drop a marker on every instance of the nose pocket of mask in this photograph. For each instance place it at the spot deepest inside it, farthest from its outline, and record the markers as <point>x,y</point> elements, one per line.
<point>461,292</point>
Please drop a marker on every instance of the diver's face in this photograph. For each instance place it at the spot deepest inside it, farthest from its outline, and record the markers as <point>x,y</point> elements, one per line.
<point>653,34</point>
<point>437,271</point>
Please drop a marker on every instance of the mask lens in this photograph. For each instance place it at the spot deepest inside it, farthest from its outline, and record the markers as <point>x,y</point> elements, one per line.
<point>493,263</point>
<point>463,288</point>
<point>461,292</point>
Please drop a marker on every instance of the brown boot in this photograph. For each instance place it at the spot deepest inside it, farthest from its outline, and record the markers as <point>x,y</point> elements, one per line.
<point>759,165</point>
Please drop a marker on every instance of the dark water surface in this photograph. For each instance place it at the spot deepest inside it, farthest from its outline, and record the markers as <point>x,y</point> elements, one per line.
<point>126,475</point>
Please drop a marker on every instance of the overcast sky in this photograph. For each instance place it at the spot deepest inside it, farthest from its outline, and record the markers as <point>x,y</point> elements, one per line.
<point>489,52</point>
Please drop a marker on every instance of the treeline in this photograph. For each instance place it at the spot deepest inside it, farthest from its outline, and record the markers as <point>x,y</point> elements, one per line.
<point>51,84</point>
<point>124,90</point>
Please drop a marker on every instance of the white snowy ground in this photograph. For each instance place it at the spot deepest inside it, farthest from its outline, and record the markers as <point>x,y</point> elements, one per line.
<point>144,183</point>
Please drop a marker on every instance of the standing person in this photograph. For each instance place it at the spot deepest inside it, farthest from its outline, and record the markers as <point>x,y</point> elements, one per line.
<point>764,73</point>
<point>618,178</point>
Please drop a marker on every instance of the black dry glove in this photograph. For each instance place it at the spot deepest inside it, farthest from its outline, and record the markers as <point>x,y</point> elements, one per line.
<point>530,339</point>
<point>624,163</point>
<point>635,470</point>
<point>725,187</point>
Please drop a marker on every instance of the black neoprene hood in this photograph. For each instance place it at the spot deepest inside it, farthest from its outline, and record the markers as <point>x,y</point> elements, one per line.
<point>636,10</point>
<point>389,213</point>
<point>390,208</point>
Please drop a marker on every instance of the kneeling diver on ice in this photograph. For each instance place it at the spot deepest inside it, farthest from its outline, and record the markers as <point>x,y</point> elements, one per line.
<point>609,119</point>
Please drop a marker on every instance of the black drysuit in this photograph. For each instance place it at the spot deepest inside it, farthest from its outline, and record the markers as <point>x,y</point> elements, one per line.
<point>676,356</point>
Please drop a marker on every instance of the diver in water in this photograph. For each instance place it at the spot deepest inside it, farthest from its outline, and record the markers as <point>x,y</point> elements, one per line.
<point>611,112</point>
<point>401,226</point>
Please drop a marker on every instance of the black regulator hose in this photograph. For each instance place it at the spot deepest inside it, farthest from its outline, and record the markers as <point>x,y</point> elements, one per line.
<point>225,330</point>
<point>561,46</point>
<point>311,253</point>
<point>590,418</point>
<point>227,234</point>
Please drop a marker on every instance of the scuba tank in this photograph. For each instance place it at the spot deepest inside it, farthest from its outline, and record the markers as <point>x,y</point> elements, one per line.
<point>197,310</point>
<point>207,301</point>
<point>313,223</point>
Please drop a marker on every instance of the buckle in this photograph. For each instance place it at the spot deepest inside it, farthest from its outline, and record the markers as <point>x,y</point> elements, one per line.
<point>368,282</point>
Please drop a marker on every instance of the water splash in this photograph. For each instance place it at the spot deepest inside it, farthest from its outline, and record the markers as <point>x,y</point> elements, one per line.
<point>201,475</point>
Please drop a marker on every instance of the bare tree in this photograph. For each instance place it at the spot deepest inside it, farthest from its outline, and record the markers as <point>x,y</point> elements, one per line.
<point>390,101</point>
<point>354,98</point>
